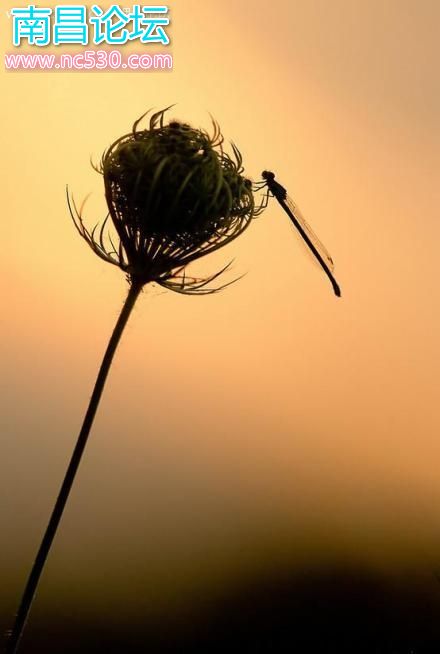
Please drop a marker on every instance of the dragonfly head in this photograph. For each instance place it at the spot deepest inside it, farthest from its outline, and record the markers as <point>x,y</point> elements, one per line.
<point>267,175</point>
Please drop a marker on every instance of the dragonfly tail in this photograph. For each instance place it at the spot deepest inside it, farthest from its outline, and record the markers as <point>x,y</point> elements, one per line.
<point>336,288</point>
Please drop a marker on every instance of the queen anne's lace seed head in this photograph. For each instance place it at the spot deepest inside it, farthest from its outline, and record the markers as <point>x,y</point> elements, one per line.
<point>173,195</point>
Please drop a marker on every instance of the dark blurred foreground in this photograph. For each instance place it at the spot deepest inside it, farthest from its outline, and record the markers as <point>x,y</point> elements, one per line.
<point>326,610</point>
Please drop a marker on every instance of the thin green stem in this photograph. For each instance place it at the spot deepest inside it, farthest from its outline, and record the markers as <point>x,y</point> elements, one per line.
<point>51,529</point>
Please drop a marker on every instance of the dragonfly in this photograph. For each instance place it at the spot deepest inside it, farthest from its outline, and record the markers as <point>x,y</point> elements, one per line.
<point>316,247</point>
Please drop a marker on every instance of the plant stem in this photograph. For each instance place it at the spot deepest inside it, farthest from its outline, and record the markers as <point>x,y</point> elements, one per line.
<point>37,568</point>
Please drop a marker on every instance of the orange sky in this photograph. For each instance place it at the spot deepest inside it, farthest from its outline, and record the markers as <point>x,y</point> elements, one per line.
<point>272,415</point>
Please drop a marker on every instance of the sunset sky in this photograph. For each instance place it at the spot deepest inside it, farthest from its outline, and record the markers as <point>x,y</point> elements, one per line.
<point>270,423</point>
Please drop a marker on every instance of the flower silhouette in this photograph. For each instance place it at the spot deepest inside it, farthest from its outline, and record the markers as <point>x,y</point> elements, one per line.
<point>173,195</point>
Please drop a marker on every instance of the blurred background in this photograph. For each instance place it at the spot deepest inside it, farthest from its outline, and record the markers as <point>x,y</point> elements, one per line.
<point>264,466</point>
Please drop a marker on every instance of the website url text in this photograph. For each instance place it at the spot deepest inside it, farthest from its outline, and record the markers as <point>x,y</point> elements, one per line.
<point>89,60</point>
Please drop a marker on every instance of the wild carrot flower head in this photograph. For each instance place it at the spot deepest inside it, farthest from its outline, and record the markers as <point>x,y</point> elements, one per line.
<point>173,195</point>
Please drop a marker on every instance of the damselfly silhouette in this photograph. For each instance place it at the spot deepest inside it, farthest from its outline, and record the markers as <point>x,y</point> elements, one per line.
<point>313,242</point>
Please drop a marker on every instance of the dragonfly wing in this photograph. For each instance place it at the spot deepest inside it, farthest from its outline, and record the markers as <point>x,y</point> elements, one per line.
<point>324,253</point>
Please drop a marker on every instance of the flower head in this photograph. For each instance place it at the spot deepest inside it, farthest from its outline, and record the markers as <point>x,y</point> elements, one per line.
<point>173,195</point>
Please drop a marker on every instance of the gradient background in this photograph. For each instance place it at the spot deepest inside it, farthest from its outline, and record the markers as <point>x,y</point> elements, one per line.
<point>267,430</point>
